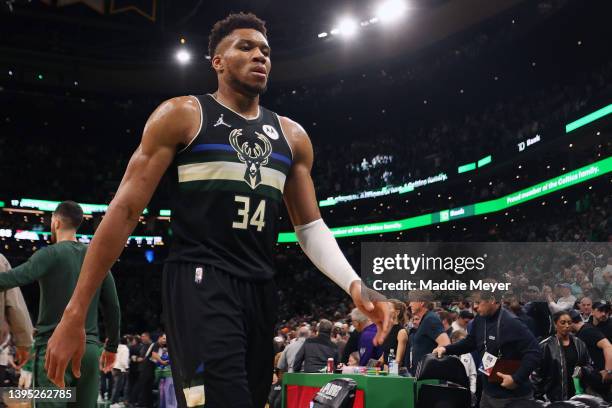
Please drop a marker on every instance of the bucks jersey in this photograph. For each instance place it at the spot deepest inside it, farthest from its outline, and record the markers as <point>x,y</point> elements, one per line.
<point>228,185</point>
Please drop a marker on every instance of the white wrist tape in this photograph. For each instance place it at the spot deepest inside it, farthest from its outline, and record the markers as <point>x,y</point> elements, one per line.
<point>320,246</point>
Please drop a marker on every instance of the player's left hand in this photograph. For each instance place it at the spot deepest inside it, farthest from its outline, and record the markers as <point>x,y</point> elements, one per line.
<point>507,381</point>
<point>373,305</point>
<point>107,360</point>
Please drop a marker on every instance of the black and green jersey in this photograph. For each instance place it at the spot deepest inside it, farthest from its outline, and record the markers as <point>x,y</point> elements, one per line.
<point>57,268</point>
<point>227,192</point>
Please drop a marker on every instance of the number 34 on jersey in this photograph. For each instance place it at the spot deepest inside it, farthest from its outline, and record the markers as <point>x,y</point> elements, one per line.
<point>244,213</point>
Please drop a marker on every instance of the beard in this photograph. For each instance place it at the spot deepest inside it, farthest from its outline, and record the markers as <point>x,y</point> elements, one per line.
<point>248,89</point>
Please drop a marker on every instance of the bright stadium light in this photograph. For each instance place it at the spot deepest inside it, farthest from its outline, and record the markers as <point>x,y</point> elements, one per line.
<point>348,27</point>
<point>183,57</point>
<point>391,10</point>
<point>322,35</point>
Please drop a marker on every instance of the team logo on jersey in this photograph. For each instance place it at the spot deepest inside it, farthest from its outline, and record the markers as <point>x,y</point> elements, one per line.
<point>252,151</point>
<point>270,131</point>
<point>220,122</point>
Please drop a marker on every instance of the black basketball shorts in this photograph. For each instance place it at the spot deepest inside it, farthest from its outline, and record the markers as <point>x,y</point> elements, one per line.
<point>219,330</point>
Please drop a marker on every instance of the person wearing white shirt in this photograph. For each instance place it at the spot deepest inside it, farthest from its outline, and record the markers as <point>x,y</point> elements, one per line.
<point>120,373</point>
<point>461,324</point>
<point>586,309</point>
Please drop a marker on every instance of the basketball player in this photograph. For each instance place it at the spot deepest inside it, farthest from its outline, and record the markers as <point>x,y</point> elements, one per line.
<point>232,162</point>
<point>56,268</point>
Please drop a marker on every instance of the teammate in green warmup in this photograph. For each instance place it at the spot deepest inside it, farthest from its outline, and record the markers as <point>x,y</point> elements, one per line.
<point>56,268</point>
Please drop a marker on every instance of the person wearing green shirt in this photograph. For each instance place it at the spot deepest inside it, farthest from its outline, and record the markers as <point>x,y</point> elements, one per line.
<point>57,268</point>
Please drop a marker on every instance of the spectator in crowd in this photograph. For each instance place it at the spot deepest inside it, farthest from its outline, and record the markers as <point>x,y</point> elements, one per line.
<point>499,333</point>
<point>159,355</point>
<point>367,332</point>
<point>607,289</point>
<point>561,353</point>
<point>565,300</point>
<point>576,286</point>
<point>413,326</point>
<point>599,282</point>
<point>146,376</point>
<point>275,399</point>
<point>15,319</point>
<point>430,333</point>
<point>415,321</point>
<point>397,339</point>
<point>539,312</point>
<point>120,373</point>
<point>316,350</point>
<point>518,310</point>
<point>447,322</point>
<point>352,343</point>
<point>353,359</point>
<point>135,364</point>
<point>287,358</point>
<point>586,309</point>
<point>461,324</point>
<point>601,318</point>
<point>278,343</point>
<point>339,337</point>
<point>468,362</point>
<point>598,346</point>
<point>106,381</point>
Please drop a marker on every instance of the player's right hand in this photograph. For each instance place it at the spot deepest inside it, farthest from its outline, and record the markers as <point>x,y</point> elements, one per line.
<point>439,351</point>
<point>67,343</point>
<point>374,306</point>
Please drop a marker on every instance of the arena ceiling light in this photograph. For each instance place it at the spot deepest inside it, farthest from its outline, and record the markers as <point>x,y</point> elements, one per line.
<point>183,56</point>
<point>391,10</point>
<point>347,27</point>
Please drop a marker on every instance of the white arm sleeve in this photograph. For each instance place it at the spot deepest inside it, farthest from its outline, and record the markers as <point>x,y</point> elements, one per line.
<point>320,246</point>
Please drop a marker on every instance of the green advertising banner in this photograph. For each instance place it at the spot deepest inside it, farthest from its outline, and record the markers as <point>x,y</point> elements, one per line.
<point>552,185</point>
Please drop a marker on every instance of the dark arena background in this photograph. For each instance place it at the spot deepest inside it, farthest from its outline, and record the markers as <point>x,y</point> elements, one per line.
<point>430,120</point>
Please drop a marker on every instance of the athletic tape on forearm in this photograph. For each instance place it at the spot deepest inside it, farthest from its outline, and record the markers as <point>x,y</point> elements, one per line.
<point>320,246</point>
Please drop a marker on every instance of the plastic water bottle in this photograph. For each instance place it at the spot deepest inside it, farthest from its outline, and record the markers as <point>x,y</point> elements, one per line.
<point>393,369</point>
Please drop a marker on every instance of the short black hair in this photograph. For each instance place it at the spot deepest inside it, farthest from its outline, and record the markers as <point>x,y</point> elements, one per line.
<point>70,212</point>
<point>558,315</point>
<point>234,21</point>
<point>466,314</point>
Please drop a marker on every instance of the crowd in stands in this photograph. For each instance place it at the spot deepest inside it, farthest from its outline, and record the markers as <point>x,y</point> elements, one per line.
<point>477,121</point>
